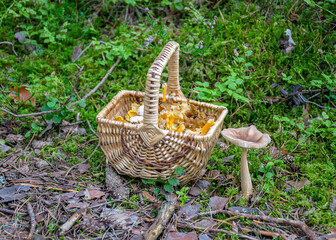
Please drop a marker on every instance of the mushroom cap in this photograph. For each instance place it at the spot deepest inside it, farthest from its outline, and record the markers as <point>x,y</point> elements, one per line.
<point>246,137</point>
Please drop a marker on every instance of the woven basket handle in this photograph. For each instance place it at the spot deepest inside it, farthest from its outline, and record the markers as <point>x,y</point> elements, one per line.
<point>170,55</point>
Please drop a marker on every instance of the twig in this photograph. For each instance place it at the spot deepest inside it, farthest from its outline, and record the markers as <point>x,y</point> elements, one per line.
<point>294,223</point>
<point>17,169</point>
<point>49,126</point>
<point>71,105</point>
<point>72,124</point>
<point>76,165</point>
<point>320,105</point>
<point>12,46</point>
<point>92,129</point>
<point>75,84</point>
<point>88,48</point>
<point>29,114</point>
<point>99,84</point>
<point>8,211</point>
<point>83,51</point>
<point>32,220</point>
<point>68,224</point>
<point>184,225</point>
<point>310,46</point>
<point>161,220</point>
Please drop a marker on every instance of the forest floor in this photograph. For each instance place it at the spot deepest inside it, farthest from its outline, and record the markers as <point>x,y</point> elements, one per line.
<point>56,55</point>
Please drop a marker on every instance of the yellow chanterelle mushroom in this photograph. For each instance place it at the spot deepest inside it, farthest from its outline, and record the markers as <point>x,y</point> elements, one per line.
<point>164,92</point>
<point>130,113</point>
<point>207,126</point>
<point>119,119</point>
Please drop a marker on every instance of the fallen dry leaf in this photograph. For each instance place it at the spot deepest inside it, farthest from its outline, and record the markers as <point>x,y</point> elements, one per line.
<point>333,230</point>
<point>76,53</point>
<point>275,151</point>
<point>182,236</point>
<point>195,191</point>
<point>9,194</point>
<point>229,176</point>
<point>11,138</point>
<point>217,203</point>
<point>148,196</point>
<point>24,93</point>
<point>188,210</point>
<point>119,217</point>
<point>204,237</point>
<point>77,205</point>
<point>93,193</point>
<point>82,168</point>
<point>206,223</point>
<point>298,185</point>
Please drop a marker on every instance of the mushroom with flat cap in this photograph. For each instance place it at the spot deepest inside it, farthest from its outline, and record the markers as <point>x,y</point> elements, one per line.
<point>246,138</point>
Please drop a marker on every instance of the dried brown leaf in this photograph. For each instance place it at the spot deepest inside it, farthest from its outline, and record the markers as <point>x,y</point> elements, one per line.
<point>333,230</point>
<point>93,193</point>
<point>189,210</point>
<point>148,196</point>
<point>76,53</point>
<point>206,223</point>
<point>77,205</point>
<point>82,168</point>
<point>182,236</point>
<point>229,176</point>
<point>298,185</point>
<point>24,94</point>
<point>217,203</point>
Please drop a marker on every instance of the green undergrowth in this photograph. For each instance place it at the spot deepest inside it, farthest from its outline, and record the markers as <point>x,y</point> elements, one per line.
<point>235,62</point>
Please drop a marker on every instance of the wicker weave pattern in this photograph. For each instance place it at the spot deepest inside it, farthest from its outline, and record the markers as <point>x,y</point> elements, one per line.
<point>144,150</point>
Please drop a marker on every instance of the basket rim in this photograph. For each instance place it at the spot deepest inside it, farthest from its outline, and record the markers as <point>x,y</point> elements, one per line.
<point>101,116</point>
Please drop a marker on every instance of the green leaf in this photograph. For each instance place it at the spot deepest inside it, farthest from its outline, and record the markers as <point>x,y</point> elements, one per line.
<point>34,126</point>
<point>146,181</point>
<point>57,119</point>
<point>28,134</point>
<point>269,164</point>
<point>179,6</point>
<point>168,188</point>
<point>45,108</point>
<point>248,53</point>
<point>131,2</point>
<point>269,175</point>
<point>156,191</point>
<point>82,103</point>
<point>310,3</point>
<point>2,142</point>
<point>173,181</point>
<point>179,171</point>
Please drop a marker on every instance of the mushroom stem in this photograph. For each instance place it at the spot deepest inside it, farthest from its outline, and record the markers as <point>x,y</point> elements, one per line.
<point>246,183</point>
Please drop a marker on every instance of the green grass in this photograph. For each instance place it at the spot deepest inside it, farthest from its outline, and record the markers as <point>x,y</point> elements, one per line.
<point>55,28</point>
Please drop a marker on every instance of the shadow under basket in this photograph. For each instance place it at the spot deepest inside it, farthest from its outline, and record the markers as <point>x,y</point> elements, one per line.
<point>146,151</point>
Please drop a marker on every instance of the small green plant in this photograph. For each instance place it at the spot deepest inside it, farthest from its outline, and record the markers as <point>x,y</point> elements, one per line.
<point>228,86</point>
<point>267,171</point>
<point>169,184</point>
<point>34,129</point>
<point>52,227</point>
<point>182,195</point>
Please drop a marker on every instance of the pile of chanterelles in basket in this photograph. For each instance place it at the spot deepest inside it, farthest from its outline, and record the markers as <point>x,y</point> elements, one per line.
<point>173,116</point>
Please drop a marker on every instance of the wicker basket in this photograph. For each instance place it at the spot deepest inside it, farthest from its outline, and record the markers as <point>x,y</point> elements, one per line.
<point>144,150</point>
